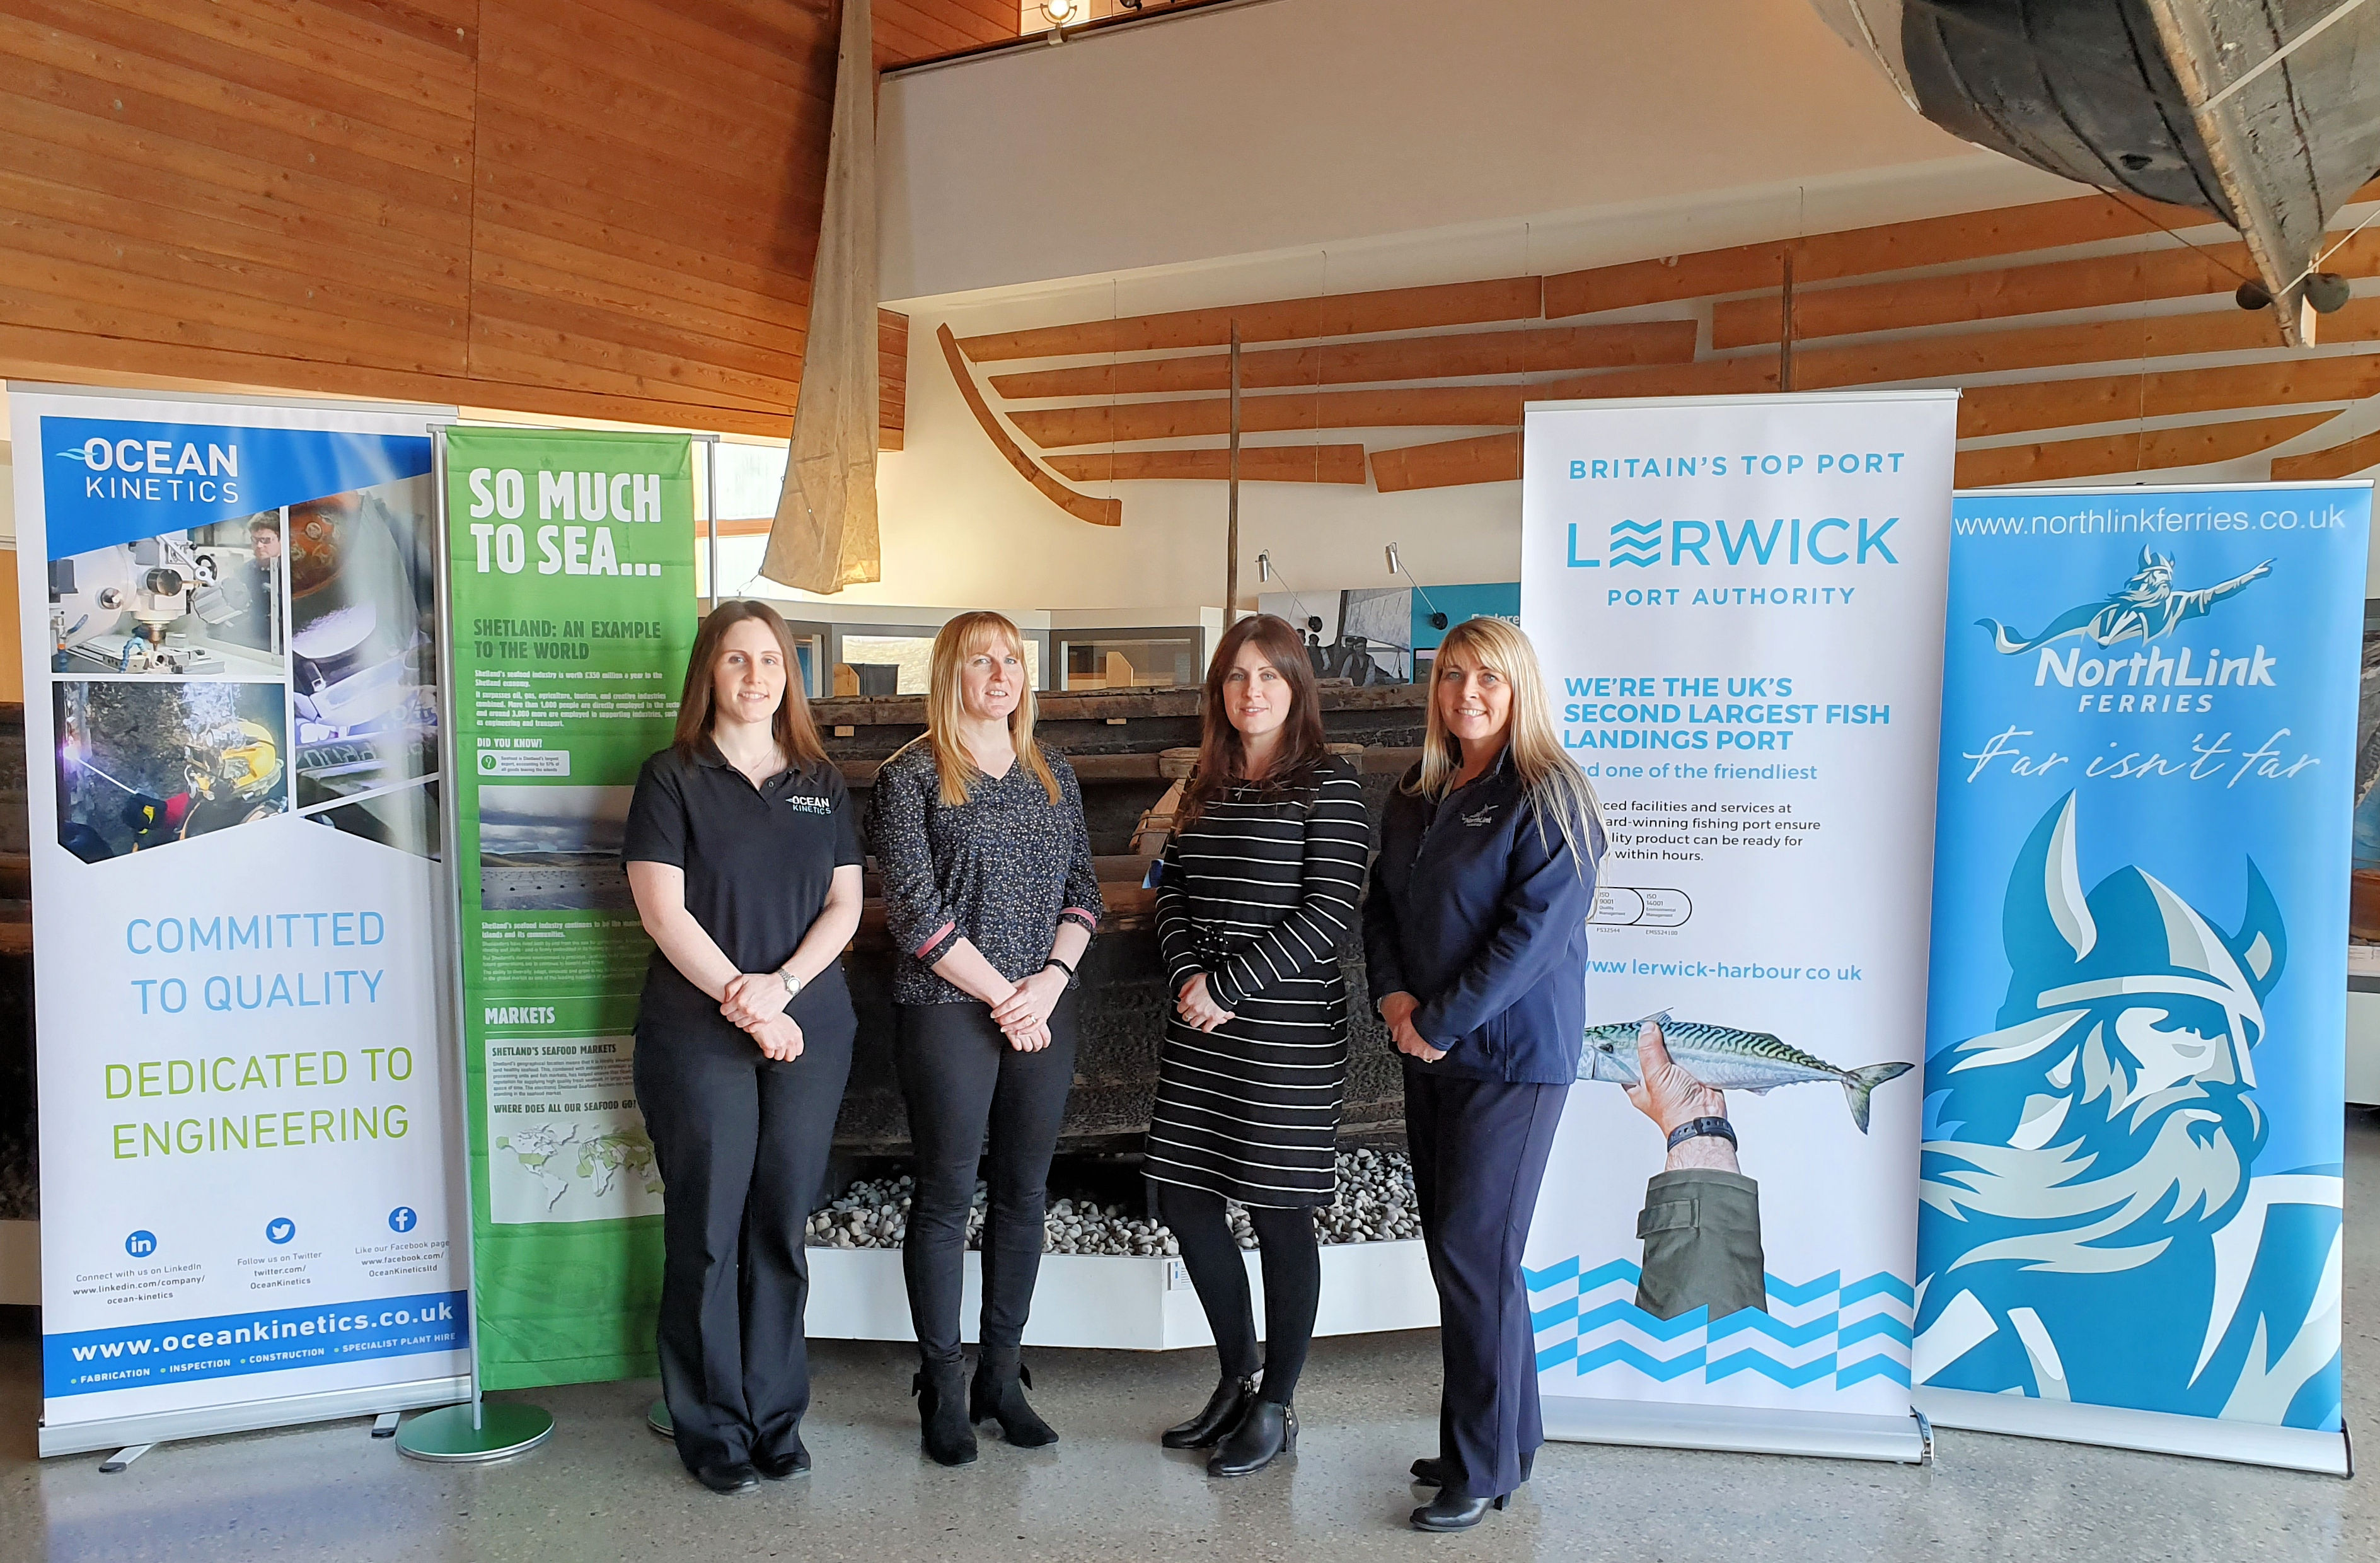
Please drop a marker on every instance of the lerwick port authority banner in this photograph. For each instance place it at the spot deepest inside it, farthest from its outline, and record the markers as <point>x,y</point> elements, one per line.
<point>249,1213</point>
<point>1739,606</point>
<point>2131,1230</point>
<point>570,602</point>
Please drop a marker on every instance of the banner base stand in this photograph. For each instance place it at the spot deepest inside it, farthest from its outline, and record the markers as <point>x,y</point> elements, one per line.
<point>2119,1427</point>
<point>248,1416</point>
<point>1749,1430</point>
<point>658,1418</point>
<point>449,1435</point>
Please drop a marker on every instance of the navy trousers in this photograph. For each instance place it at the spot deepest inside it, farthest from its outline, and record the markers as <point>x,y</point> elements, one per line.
<point>1479,1150</point>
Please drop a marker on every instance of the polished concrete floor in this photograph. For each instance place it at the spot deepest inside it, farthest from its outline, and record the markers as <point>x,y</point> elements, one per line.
<point>603,1487</point>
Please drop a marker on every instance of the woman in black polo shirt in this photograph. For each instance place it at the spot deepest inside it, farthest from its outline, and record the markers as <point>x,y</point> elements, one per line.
<point>991,897</point>
<point>744,860</point>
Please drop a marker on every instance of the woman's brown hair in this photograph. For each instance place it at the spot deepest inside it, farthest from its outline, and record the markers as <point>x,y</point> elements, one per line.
<point>1222,755</point>
<point>795,734</point>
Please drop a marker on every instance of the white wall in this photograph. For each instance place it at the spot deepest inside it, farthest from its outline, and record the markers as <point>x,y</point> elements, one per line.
<point>1294,122</point>
<point>1300,147</point>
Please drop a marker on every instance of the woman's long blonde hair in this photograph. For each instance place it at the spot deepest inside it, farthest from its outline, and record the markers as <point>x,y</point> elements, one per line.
<point>945,707</point>
<point>1556,787</point>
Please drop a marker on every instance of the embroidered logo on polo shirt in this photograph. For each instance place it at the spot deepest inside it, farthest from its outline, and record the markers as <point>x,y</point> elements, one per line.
<point>1483,817</point>
<point>809,805</point>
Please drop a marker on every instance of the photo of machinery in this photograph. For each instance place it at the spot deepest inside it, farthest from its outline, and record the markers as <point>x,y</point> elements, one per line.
<point>364,667</point>
<point>197,603</point>
<point>143,764</point>
<point>554,849</point>
<point>406,819</point>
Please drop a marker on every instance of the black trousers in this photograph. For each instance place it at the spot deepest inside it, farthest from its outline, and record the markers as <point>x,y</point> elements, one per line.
<point>976,1102</point>
<point>741,1143</point>
<point>1479,1150</point>
<point>1292,1256</point>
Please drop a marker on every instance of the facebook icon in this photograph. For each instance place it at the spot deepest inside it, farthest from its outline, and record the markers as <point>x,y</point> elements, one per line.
<point>402,1219</point>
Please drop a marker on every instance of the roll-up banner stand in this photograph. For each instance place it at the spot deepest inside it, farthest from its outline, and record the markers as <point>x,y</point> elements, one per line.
<point>1739,606</point>
<point>250,1214</point>
<point>2133,1153</point>
<point>570,581</point>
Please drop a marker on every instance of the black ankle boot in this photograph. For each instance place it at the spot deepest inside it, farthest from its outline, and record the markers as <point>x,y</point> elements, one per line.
<point>941,1389</point>
<point>1266,1433</point>
<point>998,1394</point>
<point>1215,1421</point>
<point>1448,1512</point>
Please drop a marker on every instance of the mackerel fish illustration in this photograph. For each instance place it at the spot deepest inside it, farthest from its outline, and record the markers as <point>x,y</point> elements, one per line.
<point>1728,1059</point>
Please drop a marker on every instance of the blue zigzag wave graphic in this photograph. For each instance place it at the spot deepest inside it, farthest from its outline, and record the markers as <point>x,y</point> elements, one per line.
<point>1613,1332</point>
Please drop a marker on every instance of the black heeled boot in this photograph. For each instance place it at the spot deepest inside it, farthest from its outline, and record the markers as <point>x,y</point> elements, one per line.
<point>998,1394</point>
<point>1215,1421</point>
<point>941,1389</point>
<point>1268,1432</point>
<point>1448,1512</point>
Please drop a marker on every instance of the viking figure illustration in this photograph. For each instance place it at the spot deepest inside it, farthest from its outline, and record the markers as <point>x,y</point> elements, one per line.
<point>2147,606</point>
<point>2090,1226</point>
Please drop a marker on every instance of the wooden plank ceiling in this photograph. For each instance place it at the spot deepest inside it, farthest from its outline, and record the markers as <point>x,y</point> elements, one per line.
<point>597,208</point>
<point>2130,358</point>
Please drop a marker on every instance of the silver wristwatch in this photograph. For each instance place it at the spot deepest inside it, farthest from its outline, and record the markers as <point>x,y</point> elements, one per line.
<point>793,984</point>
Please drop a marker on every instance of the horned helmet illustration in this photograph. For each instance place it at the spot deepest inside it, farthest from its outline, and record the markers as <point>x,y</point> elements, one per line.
<point>2153,580</point>
<point>2130,1018</point>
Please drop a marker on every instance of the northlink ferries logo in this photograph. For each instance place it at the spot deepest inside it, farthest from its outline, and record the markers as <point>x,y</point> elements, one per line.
<point>2093,1226</point>
<point>2146,607</point>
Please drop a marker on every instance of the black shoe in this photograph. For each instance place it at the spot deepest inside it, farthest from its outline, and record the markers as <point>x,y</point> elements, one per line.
<point>998,1394</point>
<point>1265,1434</point>
<point>1222,1412</point>
<point>1430,1472</point>
<point>776,1468</point>
<point>735,1476</point>
<point>941,1389</point>
<point>1447,1512</point>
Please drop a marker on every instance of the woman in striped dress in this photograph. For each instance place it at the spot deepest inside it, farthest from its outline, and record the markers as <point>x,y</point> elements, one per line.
<point>1259,885</point>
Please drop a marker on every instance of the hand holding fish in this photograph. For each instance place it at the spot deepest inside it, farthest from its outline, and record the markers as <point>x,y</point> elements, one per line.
<point>1669,1096</point>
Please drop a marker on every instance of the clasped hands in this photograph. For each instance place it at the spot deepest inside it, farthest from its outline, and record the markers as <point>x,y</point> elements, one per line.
<point>1398,1009</point>
<point>1023,1015</point>
<point>756,1001</point>
<point>1197,1005</point>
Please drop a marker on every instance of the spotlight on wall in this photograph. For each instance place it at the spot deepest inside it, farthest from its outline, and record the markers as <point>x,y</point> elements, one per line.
<point>1061,12</point>
<point>1396,567</point>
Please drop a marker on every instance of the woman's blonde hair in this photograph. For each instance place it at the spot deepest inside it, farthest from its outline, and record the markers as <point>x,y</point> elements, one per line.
<point>1556,787</point>
<point>945,707</point>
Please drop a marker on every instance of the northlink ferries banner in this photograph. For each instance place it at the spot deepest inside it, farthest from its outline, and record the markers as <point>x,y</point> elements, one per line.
<point>570,581</point>
<point>1739,606</point>
<point>248,1216</point>
<point>2132,1173</point>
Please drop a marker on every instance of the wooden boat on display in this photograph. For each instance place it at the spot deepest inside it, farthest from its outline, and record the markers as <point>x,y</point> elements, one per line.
<point>2264,113</point>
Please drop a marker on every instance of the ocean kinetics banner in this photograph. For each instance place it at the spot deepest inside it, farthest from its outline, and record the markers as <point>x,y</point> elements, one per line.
<point>1739,605</point>
<point>249,1216</point>
<point>2132,1171</point>
<point>570,596</point>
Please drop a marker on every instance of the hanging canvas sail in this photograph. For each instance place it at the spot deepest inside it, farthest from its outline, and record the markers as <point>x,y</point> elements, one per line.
<point>825,537</point>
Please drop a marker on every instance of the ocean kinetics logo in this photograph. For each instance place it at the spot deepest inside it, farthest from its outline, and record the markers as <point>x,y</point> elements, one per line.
<point>2145,609</point>
<point>2093,1218</point>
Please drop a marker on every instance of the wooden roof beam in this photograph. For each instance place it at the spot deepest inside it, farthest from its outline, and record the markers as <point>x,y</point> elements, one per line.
<point>2106,455</point>
<point>1285,319</point>
<point>1261,464</point>
<point>1470,355</point>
